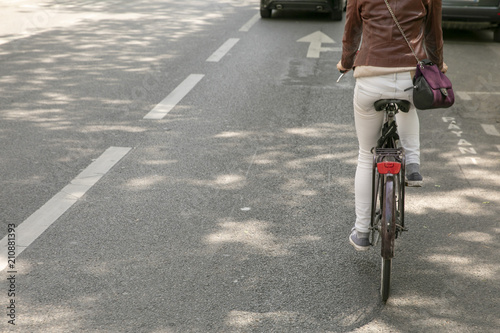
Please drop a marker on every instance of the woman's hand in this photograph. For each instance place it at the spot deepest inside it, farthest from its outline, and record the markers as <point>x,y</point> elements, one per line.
<point>443,70</point>
<point>341,68</point>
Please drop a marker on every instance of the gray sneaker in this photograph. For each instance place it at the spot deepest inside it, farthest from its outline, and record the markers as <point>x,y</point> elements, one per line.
<point>413,176</point>
<point>360,240</point>
<point>414,180</point>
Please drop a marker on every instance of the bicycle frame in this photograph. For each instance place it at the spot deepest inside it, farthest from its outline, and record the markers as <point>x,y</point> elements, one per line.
<point>388,189</point>
<point>388,167</point>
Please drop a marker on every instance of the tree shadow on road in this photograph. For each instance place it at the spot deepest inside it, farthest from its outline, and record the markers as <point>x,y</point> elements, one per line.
<point>252,240</point>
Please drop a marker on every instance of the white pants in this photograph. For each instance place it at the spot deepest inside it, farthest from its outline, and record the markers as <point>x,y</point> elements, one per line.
<point>368,128</point>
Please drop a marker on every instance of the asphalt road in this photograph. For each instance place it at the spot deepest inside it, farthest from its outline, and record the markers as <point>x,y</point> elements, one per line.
<point>229,211</point>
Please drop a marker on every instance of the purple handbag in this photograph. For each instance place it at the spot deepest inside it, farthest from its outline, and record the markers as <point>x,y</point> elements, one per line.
<point>431,88</point>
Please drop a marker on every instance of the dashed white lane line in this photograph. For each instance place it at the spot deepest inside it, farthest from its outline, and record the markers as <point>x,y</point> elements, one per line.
<point>174,97</point>
<point>39,221</point>
<point>490,129</point>
<point>223,50</point>
<point>250,23</point>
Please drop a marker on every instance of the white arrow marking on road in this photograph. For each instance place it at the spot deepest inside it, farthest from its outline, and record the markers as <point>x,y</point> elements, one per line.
<point>316,39</point>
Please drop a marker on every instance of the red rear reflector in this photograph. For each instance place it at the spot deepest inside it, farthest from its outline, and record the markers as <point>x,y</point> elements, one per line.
<point>389,167</point>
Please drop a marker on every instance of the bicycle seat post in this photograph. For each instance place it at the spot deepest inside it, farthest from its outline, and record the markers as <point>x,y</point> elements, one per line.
<point>391,111</point>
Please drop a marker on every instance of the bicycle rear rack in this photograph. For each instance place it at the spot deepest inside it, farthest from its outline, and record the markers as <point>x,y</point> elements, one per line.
<point>389,155</point>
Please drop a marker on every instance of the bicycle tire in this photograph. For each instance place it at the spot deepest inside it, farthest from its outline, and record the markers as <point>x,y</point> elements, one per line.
<point>388,226</point>
<point>388,230</point>
<point>385,287</point>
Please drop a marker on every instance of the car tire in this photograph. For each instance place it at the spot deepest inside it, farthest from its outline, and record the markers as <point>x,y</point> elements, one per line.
<point>337,15</point>
<point>496,34</point>
<point>266,13</point>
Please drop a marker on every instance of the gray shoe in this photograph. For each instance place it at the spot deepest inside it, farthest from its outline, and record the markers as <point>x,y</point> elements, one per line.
<point>413,176</point>
<point>359,240</point>
<point>414,180</point>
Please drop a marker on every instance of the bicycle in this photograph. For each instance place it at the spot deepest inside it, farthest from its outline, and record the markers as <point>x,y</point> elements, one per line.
<point>388,189</point>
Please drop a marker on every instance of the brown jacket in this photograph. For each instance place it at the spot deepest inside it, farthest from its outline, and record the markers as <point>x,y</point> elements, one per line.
<point>382,44</point>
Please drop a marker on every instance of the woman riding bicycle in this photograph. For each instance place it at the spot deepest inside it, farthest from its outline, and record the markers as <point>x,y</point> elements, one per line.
<point>383,67</point>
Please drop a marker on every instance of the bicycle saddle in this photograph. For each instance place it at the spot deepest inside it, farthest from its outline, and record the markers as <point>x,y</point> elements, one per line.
<point>382,104</point>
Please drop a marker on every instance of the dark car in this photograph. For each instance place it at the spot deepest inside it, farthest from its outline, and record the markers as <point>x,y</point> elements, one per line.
<point>472,14</point>
<point>334,7</point>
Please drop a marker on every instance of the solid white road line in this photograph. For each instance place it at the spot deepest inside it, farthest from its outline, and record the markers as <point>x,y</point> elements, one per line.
<point>490,129</point>
<point>221,52</point>
<point>39,221</point>
<point>174,97</point>
<point>250,23</point>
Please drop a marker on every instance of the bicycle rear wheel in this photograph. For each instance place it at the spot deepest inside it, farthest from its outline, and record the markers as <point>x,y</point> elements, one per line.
<point>385,279</point>
<point>388,231</point>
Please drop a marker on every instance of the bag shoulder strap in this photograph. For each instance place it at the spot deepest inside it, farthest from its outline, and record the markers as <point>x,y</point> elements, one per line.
<point>401,29</point>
